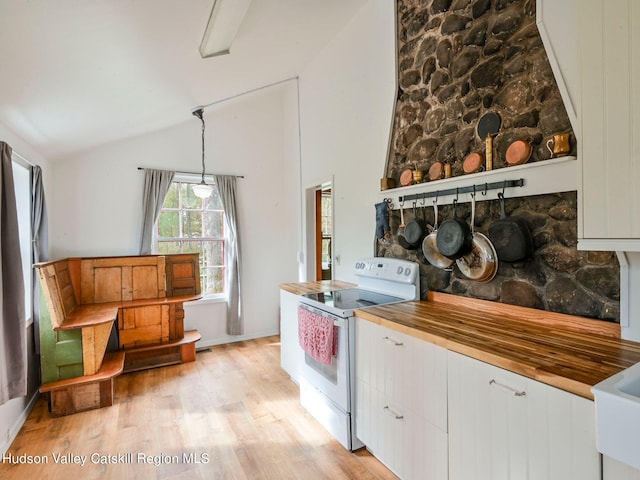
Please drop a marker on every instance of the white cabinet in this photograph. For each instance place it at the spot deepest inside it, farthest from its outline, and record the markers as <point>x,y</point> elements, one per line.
<point>291,355</point>
<point>401,401</point>
<point>609,115</point>
<point>506,426</point>
<point>615,470</point>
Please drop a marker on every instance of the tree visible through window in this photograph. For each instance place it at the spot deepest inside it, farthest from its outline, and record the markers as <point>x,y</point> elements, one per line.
<point>189,224</point>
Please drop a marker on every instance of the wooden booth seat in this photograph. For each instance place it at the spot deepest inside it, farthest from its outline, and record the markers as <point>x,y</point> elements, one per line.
<point>132,306</point>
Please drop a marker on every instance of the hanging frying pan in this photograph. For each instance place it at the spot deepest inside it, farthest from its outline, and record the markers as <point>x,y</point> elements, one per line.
<point>481,263</point>
<point>430,247</point>
<point>454,236</point>
<point>414,231</point>
<point>488,127</point>
<point>511,237</point>
<point>401,240</point>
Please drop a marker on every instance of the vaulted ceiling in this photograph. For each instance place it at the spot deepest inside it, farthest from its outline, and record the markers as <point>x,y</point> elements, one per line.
<point>75,74</point>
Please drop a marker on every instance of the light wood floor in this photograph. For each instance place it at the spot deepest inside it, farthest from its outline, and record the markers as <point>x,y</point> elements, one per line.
<point>233,408</point>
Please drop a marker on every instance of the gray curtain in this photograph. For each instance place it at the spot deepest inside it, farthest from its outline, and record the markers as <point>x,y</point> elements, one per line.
<point>40,243</point>
<point>156,186</point>
<point>227,188</point>
<point>13,355</point>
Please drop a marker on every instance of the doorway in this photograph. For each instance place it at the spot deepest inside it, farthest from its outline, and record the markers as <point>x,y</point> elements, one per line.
<point>324,232</point>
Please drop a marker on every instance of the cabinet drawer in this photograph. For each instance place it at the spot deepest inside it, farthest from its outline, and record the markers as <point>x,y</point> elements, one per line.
<point>405,442</point>
<point>410,372</point>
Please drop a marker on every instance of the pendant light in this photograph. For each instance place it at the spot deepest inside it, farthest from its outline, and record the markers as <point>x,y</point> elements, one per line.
<point>202,190</point>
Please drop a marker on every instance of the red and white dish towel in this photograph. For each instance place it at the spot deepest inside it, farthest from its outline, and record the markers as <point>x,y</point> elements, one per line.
<point>317,335</point>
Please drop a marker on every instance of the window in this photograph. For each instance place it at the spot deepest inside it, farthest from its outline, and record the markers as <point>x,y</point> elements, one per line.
<point>189,224</point>
<point>22,184</point>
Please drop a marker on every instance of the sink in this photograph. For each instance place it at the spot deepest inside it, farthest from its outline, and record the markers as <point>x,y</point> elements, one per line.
<point>618,416</point>
<point>630,387</point>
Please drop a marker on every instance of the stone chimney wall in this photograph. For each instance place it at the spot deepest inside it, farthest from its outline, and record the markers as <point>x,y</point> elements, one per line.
<point>460,59</point>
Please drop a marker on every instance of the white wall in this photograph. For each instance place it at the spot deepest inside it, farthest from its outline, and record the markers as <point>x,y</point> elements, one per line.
<point>14,412</point>
<point>346,107</point>
<point>630,295</point>
<point>98,198</point>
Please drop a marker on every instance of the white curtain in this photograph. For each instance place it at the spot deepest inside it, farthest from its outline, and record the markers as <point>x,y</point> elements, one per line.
<point>227,188</point>
<point>13,355</point>
<point>40,243</point>
<point>156,186</point>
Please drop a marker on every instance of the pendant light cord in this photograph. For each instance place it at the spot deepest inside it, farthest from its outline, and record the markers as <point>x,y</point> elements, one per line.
<point>202,149</point>
<point>198,113</point>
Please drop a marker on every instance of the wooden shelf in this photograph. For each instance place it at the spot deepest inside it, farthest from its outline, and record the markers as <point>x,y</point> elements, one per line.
<point>98,313</point>
<point>542,177</point>
<point>161,354</point>
<point>112,366</point>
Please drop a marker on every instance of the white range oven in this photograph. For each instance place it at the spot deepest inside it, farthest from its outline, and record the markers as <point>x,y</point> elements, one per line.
<point>328,391</point>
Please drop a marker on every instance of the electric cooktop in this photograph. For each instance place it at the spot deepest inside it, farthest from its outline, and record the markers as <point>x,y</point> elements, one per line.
<point>351,298</point>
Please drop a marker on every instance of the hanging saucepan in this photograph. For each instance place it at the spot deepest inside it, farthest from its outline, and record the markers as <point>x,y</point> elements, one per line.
<point>430,248</point>
<point>414,231</point>
<point>481,263</point>
<point>401,240</point>
<point>454,237</point>
<point>511,237</point>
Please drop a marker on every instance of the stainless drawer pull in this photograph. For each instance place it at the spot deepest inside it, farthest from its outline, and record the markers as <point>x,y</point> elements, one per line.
<point>508,389</point>
<point>393,342</point>
<point>395,415</point>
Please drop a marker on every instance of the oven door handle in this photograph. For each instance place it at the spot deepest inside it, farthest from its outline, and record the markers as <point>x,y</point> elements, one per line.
<point>337,321</point>
<point>341,323</point>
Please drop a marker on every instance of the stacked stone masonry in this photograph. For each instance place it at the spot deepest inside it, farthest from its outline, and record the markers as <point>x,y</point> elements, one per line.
<point>460,59</point>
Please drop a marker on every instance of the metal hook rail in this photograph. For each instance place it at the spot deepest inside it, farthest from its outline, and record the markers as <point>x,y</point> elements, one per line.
<point>481,187</point>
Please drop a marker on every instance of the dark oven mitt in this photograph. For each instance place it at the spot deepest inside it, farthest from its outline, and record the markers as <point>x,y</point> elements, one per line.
<point>382,219</point>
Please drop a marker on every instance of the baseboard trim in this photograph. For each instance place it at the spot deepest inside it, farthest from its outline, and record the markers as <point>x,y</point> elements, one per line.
<point>211,342</point>
<point>17,425</point>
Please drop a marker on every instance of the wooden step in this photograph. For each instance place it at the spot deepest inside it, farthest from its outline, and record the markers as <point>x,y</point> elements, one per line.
<point>157,355</point>
<point>78,394</point>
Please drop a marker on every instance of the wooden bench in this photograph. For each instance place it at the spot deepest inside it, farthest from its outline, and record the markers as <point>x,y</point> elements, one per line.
<point>86,297</point>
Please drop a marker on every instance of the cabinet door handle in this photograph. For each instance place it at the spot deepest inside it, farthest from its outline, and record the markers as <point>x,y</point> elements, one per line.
<point>508,389</point>
<point>393,342</point>
<point>395,415</point>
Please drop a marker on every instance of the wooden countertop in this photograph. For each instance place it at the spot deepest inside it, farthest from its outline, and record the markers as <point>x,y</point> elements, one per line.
<point>567,352</point>
<point>300,288</point>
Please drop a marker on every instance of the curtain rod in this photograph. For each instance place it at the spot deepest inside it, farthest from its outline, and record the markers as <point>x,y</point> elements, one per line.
<point>13,152</point>
<point>197,173</point>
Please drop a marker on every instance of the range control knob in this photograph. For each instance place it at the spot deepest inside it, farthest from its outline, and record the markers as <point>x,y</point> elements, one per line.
<point>400,270</point>
<point>407,271</point>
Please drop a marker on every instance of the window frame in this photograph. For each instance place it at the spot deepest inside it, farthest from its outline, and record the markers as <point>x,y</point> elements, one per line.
<point>182,178</point>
